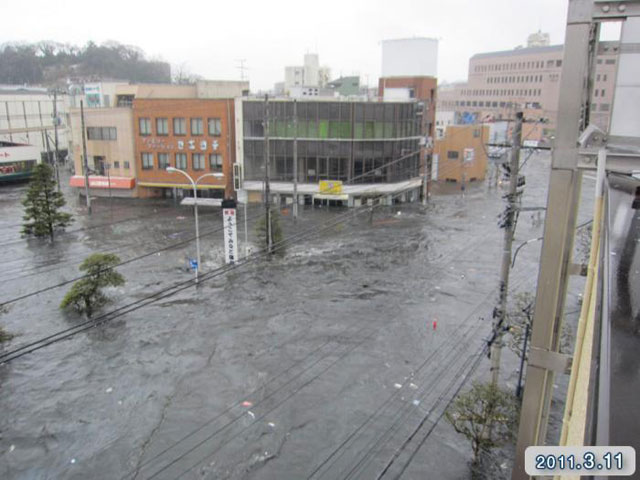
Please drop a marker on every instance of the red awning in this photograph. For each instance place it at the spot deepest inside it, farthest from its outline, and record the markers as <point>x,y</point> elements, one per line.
<point>103,182</point>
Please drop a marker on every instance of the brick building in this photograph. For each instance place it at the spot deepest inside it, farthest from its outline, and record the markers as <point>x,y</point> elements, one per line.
<point>194,134</point>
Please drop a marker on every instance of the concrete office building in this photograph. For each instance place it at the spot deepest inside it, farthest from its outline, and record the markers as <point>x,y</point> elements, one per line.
<point>527,79</point>
<point>372,147</point>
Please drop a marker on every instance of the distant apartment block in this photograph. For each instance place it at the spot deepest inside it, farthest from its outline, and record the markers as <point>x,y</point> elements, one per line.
<point>311,74</point>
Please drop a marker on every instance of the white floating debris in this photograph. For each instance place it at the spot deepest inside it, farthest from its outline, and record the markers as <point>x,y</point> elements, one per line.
<point>416,402</point>
<point>272,425</point>
<point>12,448</point>
<point>413,385</point>
<point>251,414</point>
<point>397,385</point>
<point>109,390</point>
<point>119,402</point>
<point>73,460</point>
<point>399,213</point>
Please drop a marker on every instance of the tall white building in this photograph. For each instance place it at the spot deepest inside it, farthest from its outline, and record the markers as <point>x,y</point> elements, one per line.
<point>410,57</point>
<point>311,74</point>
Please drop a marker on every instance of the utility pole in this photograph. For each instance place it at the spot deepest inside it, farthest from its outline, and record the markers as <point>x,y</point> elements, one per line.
<point>509,230</point>
<point>85,159</point>
<point>295,160</point>
<point>527,327</point>
<point>267,166</point>
<point>55,134</point>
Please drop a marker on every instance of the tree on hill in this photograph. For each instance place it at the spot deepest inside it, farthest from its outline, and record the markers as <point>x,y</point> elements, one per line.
<point>42,204</point>
<point>53,63</point>
<point>86,295</point>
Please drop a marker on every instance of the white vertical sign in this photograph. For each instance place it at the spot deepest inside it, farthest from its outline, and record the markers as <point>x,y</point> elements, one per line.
<point>230,235</point>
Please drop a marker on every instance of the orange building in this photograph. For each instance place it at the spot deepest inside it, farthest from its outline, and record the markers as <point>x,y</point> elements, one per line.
<point>461,154</point>
<point>192,134</point>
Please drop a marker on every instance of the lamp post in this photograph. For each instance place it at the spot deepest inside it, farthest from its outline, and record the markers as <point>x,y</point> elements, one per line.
<point>195,204</point>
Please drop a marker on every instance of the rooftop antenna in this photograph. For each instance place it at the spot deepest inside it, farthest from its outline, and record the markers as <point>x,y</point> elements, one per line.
<point>241,67</point>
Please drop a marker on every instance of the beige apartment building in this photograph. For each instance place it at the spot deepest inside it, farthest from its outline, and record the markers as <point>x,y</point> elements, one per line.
<point>527,79</point>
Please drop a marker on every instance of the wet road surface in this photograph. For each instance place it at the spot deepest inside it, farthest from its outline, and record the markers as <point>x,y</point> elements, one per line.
<point>318,364</point>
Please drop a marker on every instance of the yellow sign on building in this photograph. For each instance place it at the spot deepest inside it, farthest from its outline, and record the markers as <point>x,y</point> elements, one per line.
<point>330,187</point>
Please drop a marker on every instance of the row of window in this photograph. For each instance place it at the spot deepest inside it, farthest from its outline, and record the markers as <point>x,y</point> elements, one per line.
<point>214,126</point>
<point>197,161</point>
<point>116,164</point>
<point>498,67</point>
<point>494,104</point>
<point>102,133</point>
<point>523,92</point>
<point>595,92</point>
<point>516,79</point>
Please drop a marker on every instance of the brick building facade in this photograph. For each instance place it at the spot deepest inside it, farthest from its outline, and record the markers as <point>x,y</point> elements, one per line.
<point>194,134</point>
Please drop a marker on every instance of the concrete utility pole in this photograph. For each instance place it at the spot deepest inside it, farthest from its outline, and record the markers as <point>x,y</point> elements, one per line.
<point>295,160</point>
<point>85,159</point>
<point>509,230</point>
<point>55,135</point>
<point>267,167</point>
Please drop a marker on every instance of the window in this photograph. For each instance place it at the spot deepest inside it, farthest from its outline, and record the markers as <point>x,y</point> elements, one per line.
<point>116,164</point>
<point>598,78</point>
<point>214,126</point>
<point>549,63</point>
<point>181,161</point>
<point>558,63</point>
<point>162,126</point>
<point>102,133</point>
<point>604,77</point>
<point>163,161</point>
<point>198,161</point>
<point>604,107</point>
<point>610,61</point>
<point>196,126</point>
<point>595,92</point>
<point>215,161</point>
<point>127,165</point>
<point>602,92</point>
<point>179,126</point>
<point>145,126</point>
<point>147,161</point>
<point>452,154</point>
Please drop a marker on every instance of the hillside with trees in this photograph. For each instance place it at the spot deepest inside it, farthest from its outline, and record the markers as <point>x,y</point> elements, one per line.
<point>51,63</point>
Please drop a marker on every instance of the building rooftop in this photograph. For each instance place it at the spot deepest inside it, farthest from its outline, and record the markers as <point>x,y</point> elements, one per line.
<point>520,51</point>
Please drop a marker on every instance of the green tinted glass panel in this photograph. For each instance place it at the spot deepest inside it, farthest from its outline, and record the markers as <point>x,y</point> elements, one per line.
<point>323,130</point>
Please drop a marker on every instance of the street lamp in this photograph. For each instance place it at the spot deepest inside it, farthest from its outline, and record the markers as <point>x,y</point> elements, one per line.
<point>195,204</point>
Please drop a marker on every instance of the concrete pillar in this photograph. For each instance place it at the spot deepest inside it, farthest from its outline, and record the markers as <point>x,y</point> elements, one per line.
<point>350,201</point>
<point>389,200</point>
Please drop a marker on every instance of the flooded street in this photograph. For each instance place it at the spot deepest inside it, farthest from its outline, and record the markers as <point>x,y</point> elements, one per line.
<point>324,362</point>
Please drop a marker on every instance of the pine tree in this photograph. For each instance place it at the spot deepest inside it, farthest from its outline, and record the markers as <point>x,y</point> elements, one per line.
<point>42,203</point>
<point>86,294</point>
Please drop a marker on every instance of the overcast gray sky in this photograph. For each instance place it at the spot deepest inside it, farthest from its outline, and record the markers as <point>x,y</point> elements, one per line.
<point>210,36</point>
